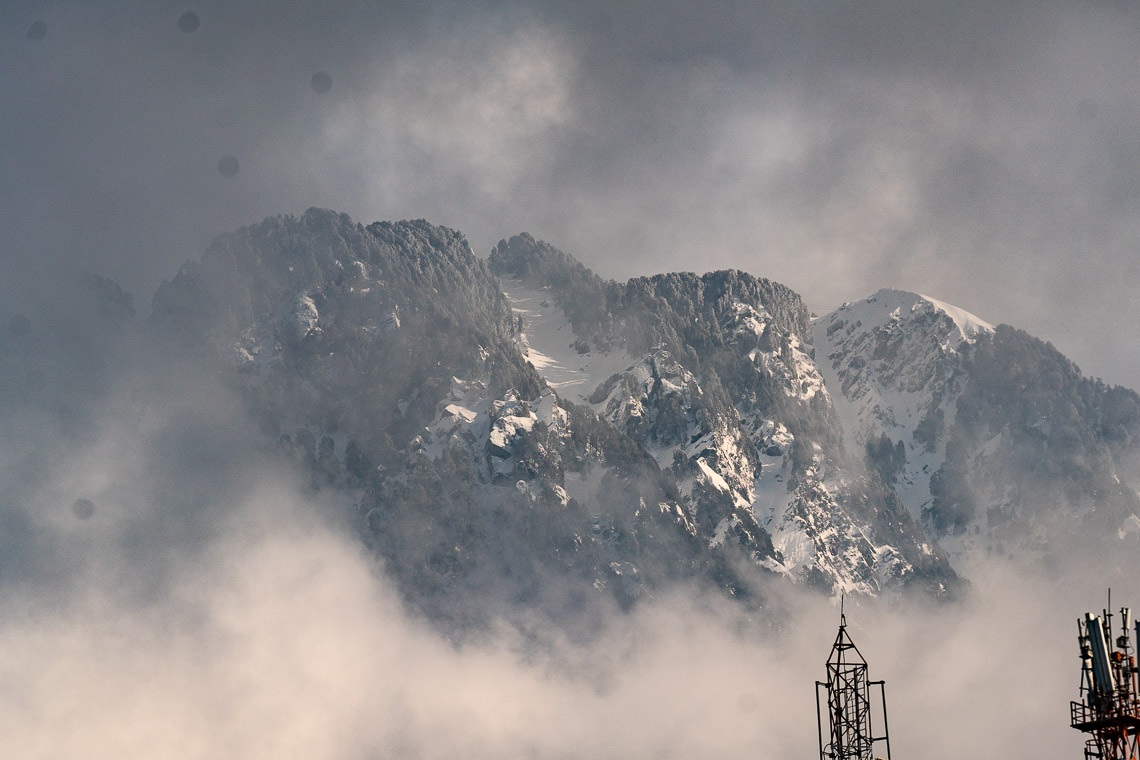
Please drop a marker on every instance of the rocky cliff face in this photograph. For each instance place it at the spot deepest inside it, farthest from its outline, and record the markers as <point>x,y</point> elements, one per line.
<point>521,431</point>
<point>721,387</point>
<point>386,361</point>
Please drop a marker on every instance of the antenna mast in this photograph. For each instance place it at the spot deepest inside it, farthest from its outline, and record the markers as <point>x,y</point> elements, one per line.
<point>850,734</point>
<point>1109,709</point>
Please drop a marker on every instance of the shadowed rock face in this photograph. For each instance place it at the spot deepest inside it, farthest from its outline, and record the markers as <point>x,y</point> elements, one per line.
<point>520,431</point>
<point>319,311</point>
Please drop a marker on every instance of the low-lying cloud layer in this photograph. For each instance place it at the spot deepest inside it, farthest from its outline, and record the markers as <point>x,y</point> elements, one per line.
<point>282,641</point>
<point>237,616</point>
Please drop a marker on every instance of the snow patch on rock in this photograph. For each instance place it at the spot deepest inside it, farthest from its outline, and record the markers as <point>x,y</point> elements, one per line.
<point>568,363</point>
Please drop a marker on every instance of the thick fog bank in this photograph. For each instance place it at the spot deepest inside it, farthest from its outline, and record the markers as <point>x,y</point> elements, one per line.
<point>266,631</point>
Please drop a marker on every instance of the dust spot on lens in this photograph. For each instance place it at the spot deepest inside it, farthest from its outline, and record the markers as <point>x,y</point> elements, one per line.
<point>748,702</point>
<point>37,31</point>
<point>228,166</point>
<point>321,81</point>
<point>19,325</point>
<point>1087,108</point>
<point>188,22</point>
<point>84,509</point>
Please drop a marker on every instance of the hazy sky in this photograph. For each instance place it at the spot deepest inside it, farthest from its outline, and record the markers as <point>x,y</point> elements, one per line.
<point>984,153</point>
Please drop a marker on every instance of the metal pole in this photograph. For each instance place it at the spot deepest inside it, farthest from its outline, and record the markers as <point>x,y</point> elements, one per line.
<point>886,727</point>
<point>819,719</point>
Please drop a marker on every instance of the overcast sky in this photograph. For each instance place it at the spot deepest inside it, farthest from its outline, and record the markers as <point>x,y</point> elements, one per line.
<point>987,154</point>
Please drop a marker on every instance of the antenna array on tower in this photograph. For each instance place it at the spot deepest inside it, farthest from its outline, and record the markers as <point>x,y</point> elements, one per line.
<point>1109,709</point>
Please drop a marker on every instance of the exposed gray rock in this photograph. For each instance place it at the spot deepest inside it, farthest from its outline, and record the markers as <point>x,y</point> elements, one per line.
<point>557,440</point>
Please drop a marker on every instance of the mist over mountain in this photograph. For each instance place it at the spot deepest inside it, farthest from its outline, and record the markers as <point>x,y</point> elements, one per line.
<point>428,489</point>
<point>518,433</point>
<point>414,500</point>
<point>991,438</point>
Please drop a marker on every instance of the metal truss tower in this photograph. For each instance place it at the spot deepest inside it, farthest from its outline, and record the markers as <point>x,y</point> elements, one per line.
<point>1109,709</point>
<point>848,699</point>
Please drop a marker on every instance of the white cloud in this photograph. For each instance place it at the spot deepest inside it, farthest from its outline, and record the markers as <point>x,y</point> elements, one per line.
<point>472,112</point>
<point>280,639</point>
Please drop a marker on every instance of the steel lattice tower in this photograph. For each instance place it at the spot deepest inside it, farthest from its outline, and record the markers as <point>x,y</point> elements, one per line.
<point>1109,710</point>
<point>850,736</point>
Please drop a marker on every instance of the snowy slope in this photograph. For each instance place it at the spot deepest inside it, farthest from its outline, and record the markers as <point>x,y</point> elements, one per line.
<point>893,363</point>
<point>549,343</point>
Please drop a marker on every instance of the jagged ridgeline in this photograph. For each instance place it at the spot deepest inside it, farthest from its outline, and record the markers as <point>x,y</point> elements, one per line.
<point>523,434</point>
<point>387,359</point>
<point>722,389</point>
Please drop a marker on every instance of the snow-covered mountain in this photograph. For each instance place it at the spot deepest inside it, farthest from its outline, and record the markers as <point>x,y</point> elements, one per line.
<point>988,436</point>
<point>521,430</point>
<point>895,365</point>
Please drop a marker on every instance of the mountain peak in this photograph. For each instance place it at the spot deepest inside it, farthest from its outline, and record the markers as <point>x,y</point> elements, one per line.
<point>890,304</point>
<point>535,262</point>
<point>967,323</point>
